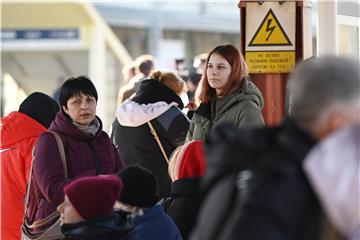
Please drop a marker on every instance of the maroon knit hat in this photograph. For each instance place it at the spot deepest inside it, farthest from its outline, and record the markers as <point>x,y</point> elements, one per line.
<point>94,196</point>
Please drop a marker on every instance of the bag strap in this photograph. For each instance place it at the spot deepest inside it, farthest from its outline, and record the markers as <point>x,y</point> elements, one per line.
<point>42,222</point>
<point>153,132</point>
<point>55,214</point>
<point>61,151</point>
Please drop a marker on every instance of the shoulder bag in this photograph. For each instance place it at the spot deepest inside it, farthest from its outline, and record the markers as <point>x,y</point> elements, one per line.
<point>153,132</point>
<point>53,232</point>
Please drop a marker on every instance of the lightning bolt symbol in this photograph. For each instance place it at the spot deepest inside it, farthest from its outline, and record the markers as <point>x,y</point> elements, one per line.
<point>269,29</point>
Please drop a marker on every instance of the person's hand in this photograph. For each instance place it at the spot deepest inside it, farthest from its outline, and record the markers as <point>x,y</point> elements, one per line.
<point>191,106</point>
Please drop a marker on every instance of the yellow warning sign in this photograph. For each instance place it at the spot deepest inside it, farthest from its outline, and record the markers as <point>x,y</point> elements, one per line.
<point>270,33</point>
<point>270,62</point>
<point>270,39</point>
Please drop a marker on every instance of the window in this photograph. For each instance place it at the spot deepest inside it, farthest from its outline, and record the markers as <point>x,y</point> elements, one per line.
<point>349,36</point>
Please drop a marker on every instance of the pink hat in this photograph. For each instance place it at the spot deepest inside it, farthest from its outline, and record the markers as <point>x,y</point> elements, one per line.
<point>192,162</point>
<point>94,196</point>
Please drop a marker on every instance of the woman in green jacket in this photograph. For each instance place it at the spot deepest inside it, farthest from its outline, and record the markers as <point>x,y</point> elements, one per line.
<point>225,94</point>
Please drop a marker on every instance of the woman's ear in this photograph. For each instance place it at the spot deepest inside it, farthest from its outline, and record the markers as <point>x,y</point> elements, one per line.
<point>65,109</point>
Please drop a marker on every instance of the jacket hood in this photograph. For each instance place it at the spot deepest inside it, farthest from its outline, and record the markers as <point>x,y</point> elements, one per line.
<point>251,92</point>
<point>18,126</point>
<point>62,123</point>
<point>133,114</point>
<point>248,91</point>
<point>152,91</point>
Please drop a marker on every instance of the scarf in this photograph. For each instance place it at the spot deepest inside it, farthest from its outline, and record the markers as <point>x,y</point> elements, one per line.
<point>90,129</point>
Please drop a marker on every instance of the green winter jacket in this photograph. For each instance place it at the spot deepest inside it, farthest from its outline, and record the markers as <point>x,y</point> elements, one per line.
<point>241,108</point>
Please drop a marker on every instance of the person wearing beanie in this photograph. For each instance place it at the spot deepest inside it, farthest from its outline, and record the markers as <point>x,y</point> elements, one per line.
<point>186,167</point>
<point>139,197</point>
<point>19,132</point>
<point>87,211</point>
<point>40,107</point>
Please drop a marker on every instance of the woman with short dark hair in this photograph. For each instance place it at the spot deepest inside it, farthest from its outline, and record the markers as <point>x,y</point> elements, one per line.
<point>225,94</point>
<point>88,149</point>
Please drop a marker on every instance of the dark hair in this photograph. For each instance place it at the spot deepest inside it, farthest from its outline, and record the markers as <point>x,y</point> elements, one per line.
<point>144,64</point>
<point>238,71</point>
<point>74,87</point>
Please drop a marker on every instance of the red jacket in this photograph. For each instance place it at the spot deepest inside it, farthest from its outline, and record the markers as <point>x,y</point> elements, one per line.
<point>18,135</point>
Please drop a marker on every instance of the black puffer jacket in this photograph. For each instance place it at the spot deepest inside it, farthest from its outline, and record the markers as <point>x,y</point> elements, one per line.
<point>184,203</point>
<point>131,134</point>
<point>118,226</point>
<point>255,187</point>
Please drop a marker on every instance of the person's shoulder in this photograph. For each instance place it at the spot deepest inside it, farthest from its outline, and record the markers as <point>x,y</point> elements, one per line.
<point>162,215</point>
<point>172,113</point>
<point>244,102</point>
<point>104,137</point>
<point>250,94</point>
<point>103,134</point>
<point>168,226</point>
<point>46,135</point>
<point>173,110</point>
<point>47,139</point>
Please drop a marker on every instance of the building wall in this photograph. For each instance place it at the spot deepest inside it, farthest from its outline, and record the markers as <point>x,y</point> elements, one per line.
<point>199,42</point>
<point>136,40</point>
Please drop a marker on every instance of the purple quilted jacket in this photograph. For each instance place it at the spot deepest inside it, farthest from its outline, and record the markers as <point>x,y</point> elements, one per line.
<point>85,155</point>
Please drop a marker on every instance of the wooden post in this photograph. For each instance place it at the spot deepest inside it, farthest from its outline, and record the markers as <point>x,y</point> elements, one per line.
<point>273,85</point>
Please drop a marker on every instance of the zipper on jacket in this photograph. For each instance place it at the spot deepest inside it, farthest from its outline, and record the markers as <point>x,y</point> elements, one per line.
<point>212,117</point>
<point>97,167</point>
<point>6,149</point>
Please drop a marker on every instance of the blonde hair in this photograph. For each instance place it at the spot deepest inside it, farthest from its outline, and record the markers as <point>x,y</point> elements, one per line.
<point>171,80</point>
<point>174,163</point>
<point>175,159</point>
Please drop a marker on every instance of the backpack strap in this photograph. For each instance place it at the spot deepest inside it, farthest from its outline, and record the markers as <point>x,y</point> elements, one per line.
<point>55,214</point>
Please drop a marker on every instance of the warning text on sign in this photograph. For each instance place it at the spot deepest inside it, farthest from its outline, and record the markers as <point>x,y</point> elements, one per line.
<point>270,62</point>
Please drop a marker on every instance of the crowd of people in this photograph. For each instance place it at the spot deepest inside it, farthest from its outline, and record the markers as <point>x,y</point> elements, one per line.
<point>214,171</point>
